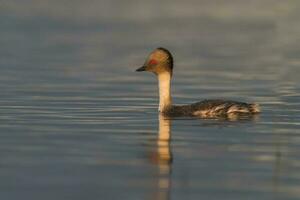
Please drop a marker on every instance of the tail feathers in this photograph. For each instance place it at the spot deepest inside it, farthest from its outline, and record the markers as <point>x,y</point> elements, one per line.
<point>244,108</point>
<point>254,108</point>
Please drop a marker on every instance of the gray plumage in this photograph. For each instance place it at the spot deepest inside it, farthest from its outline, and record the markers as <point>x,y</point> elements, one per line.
<point>211,108</point>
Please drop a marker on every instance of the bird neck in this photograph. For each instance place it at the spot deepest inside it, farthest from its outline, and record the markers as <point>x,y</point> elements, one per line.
<point>164,84</point>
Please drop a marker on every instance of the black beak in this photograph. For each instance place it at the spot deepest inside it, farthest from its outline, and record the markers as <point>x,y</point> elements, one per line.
<point>141,69</point>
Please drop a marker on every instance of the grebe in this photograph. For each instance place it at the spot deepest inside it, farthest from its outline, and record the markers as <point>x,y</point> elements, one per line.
<point>160,62</point>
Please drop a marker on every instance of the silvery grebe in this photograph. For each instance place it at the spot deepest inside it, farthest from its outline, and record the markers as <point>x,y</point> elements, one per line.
<point>160,62</point>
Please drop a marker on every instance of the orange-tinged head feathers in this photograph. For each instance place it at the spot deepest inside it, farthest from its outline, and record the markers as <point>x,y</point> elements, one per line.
<point>159,61</point>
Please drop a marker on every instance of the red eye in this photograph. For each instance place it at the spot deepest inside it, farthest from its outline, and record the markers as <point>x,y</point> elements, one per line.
<point>152,62</point>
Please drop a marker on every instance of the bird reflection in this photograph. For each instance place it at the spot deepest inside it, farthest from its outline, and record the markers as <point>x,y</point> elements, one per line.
<point>162,157</point>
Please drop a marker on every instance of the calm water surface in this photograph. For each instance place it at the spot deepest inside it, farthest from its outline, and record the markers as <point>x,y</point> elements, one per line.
<point>77,122</point>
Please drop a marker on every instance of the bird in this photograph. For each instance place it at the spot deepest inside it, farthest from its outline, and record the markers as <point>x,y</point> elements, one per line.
<point>161,63</point>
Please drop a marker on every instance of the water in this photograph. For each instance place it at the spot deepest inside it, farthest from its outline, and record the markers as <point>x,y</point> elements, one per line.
<point>78,123</point>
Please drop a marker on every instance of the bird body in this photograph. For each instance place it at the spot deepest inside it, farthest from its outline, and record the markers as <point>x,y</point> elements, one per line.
<point>160,62</point>
<point>211,108</point>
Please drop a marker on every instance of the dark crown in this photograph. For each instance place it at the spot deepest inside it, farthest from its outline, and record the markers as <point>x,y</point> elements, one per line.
<point>170,57</point>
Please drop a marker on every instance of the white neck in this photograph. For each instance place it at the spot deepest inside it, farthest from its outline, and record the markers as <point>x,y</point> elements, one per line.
<point>164,84</point>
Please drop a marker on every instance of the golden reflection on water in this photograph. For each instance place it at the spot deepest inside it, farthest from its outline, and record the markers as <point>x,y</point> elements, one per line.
<point>162,157</point>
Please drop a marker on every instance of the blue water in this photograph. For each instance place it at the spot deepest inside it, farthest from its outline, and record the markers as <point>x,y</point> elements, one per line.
<point>76,121</point>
